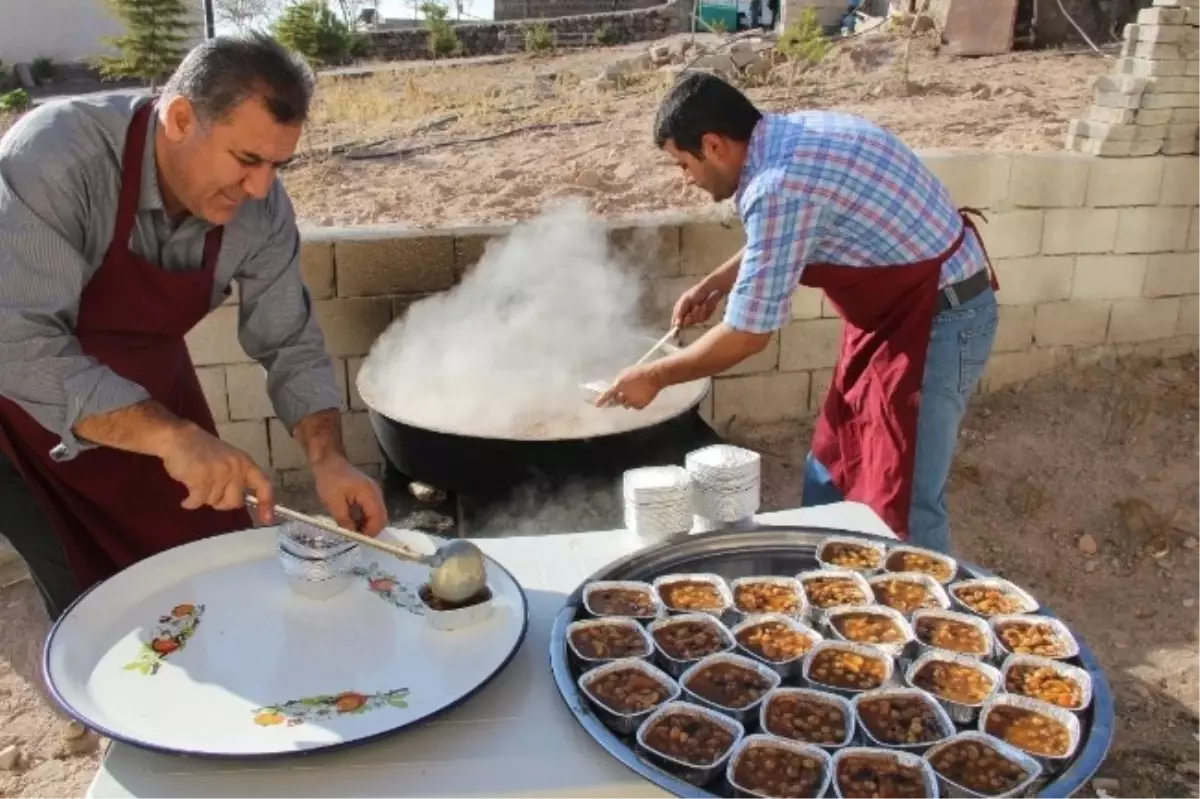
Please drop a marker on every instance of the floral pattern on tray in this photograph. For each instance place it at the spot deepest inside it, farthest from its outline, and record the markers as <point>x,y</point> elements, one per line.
<point>387,587</point>
<point>319,708</point>
<point>170,635</point>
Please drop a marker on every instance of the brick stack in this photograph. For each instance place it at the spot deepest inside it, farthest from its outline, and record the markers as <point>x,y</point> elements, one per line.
<point>1148,104</point>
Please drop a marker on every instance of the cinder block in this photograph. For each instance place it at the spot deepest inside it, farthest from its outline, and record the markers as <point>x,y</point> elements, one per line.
<point>1079,230</point>
<point>1173,85</point>
<point>1145,68</point>
<point>1161,16</point>
<point>1172,275</point>
<point>706,245</point>
<point>353,366</point>
<point>1184,116</point>
<point>1072,323</point>
<point>806,303</point>
<point>707,409</point>
<point>214,340</point>
<point>1151,230</point>
<point>1118,99</point>
<point>212,382</point>
<point>660,296</point>
<point>1155,33</point>
<point>316,267</point>
<point>285,452</point>
<point>765,361</point>
<point>819,381</point>
<point>1053,180</point>
<point>1187,145</point>
<point>653,250</point>
<point>1181,345</point>
<point>250,438</point>
<point>1152,117</point>
<point>1153,101</point>
<point>1015,332</point>
<point>1108,277</point>
<point>810,345</point>
<point>1143,320</point>
<point>362,447</point>
<point>394,262</point>
<point>1012,234</point>
<point>471,243</point>
<point>352,325</point>
<point>1015,368</point>
<point>827,309</point>
<point>1181,183</point>
<point>1189,316</point>
<point>1100,115</point>
<point>1028,281</point>
<point>975,179</point>
<point>1193,237</point>
<point>247,386</point>
<point>1104,147</point>
<point>760,399</point>
<point>401,304</point>
<point>1121,183</point>
<point>1102,131</point>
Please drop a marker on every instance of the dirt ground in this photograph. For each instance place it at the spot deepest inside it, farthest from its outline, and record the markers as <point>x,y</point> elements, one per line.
<point>599,143</point>
<point>1108,452</point>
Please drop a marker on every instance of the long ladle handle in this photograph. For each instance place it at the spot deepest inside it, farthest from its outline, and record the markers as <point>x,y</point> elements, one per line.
<point>670,335</point>
<point>383,546</point>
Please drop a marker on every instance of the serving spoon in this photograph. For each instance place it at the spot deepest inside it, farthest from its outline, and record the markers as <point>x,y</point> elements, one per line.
<point>457,570</point>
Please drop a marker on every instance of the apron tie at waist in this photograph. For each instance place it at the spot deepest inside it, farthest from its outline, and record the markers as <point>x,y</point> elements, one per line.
<point>966,212</point>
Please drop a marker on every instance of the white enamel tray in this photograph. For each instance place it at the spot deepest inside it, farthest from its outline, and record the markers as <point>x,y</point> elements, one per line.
<point>245,667</point>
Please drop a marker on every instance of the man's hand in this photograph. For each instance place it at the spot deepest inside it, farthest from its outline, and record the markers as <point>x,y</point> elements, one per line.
<point>354,500</point>
<point>696,305</point>
<point>636,387</point>
<point>215,473</point>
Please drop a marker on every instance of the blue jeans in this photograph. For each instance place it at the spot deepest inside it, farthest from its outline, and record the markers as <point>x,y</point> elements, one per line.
<point>959,347</point>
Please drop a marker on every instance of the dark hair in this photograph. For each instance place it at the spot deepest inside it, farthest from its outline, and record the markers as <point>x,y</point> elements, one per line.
<point>222,73</point>
<point>702,103</point>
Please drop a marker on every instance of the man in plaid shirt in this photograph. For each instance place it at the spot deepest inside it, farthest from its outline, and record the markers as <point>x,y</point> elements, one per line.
<point>835,202</point>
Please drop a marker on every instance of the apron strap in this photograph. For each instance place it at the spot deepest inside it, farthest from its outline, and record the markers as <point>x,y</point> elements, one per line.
<point>967,213</point>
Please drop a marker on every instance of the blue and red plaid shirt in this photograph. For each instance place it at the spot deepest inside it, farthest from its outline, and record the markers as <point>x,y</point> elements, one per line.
<point>826,187</point>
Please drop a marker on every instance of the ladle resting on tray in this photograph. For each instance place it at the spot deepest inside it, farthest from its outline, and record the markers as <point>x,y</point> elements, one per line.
<point>457,567</point>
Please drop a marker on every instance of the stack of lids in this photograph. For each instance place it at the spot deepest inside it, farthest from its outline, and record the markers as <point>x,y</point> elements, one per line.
<point>726,484</point>
<point>658,501</point>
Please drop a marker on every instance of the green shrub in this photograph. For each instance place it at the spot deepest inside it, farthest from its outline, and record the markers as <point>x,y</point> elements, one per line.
<point>539,38</point>
<point>43,69</point>
<point>16,100</point>
<point>443,39</point>
<point>312,29</point>
<point>607,35</point>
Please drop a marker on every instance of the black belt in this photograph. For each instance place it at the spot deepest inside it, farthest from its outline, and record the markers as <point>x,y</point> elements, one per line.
<point>956,294</point>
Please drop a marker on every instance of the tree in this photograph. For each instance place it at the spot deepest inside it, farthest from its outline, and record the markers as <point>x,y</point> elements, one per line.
<point>443,39</point>
<point>243,14</point>
<point>156,35</point>
<point>313,30</point>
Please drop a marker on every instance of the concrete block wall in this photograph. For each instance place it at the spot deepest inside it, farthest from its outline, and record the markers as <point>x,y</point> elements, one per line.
<point>1095,256</point>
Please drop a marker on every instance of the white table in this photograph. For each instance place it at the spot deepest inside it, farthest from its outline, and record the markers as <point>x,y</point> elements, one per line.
<point>517,727</point>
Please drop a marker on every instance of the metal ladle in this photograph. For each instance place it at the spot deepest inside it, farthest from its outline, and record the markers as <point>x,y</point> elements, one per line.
<point>457,570</point>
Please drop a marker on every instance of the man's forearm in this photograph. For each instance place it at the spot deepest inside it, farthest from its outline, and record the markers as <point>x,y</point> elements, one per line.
<point>713,353</point>
<point>724,276</point>
<point>145,427</point>
<point>320,435</point>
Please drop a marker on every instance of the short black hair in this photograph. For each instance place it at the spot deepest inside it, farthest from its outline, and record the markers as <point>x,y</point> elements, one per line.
<point>223,72</point>
<point>701,103</point>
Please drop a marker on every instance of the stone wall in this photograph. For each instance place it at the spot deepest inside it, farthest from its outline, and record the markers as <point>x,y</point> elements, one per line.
<point>538,9</point>
<point>490,38</point>
<point>1095,257</point>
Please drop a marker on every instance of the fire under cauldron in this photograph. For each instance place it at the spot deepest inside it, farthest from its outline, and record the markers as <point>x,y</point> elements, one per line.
<point>477,465</point>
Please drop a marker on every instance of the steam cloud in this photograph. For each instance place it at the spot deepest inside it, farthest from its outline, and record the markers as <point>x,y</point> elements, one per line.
<point>503,353</point>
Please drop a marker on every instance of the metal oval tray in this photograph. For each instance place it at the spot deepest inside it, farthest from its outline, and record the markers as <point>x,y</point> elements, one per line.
<point>783,550</point>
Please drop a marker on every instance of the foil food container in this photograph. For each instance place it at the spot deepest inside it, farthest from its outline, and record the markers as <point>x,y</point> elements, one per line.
<point>1029,604</point>
<point>601,585</point>
<point>712,579</point>
<point>583,662</point>
<point>1062,634</point>
<point>784,668</point>
<point>696,775</point>
<point>737,615</point>
<point>959,712</point>
<point>980,624</point>
<point>458,618</point>
<point>951,789</point>
<point>924,580</point>
<point>743,715</point>
<point>625,723</point>
<point>929,553</point>
<point>818,697</point>
<point>1078,675</point>
<point>893,649</point>
<point>316,564</point>
<point>944,724</point>
<point>865,650</point>
<point>906,759</point>
<point>1065,717</point>
<point>874,546</point>
<point>763,741</point>
<point>816,615</point>
<point>674,666</point>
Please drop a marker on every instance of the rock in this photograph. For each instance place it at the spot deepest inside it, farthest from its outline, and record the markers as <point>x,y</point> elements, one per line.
<point>1087,544</point>
<point>424,492</point>
<point>720,63</point>
<point>1190,543</point>
<point>1188,768</point>
<point>1089,566</point>
<point>1187,603</point>
<point>743,58</point>
<point>588,178</point>
<point>1106,786</point>
<point>9,756</point>
<point>660,53</point>
<point>72,730</point>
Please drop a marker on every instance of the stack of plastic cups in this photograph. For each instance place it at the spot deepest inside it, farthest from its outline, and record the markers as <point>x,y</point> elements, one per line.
<point>658,502</point>
<point>726,487</point>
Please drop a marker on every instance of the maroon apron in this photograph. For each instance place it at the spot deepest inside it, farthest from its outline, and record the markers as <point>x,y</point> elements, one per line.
<point>112,508</point>
<point>866,434</point>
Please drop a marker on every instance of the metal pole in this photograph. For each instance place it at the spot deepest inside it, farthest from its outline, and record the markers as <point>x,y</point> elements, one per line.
<point>210,24</point>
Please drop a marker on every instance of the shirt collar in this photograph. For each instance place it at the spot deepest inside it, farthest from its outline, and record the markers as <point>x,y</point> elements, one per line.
<point>150,195</point>
<point>756,155</point>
